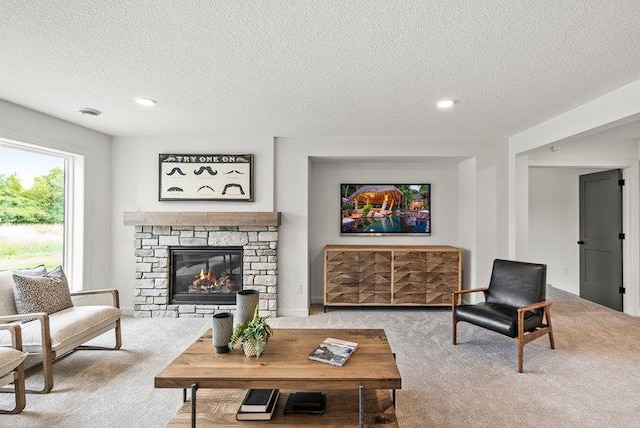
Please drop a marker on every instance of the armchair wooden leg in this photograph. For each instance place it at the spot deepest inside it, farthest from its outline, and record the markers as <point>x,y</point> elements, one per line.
<point>47,372</point>
<point>520,355</point>
<point>454,302</point>
<point>21,399</point>
<point>118,335</point>
<point>19,392</point>
<point>455,331</point>
<point>521,341</point>
<point>547,315</point>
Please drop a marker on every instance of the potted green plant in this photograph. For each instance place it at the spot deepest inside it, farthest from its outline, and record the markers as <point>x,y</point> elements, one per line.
<point>252,335</point>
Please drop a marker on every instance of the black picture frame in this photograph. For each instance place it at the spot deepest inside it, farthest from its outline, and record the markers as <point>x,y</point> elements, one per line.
<point>205,177</point>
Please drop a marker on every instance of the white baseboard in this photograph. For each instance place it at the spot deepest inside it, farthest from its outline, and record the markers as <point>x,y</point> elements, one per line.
<point>293,312</point>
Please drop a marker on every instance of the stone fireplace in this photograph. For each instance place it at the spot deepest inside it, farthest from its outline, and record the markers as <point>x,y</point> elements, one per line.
<point>213,256</point>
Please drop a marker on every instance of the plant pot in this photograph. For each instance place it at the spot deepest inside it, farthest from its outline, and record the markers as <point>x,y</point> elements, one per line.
<point>246,303</point>
<point>249,348</point>
<point>222,331</point>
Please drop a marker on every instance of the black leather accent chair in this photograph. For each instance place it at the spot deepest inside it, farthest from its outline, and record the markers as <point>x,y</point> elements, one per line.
<point>514,304</point>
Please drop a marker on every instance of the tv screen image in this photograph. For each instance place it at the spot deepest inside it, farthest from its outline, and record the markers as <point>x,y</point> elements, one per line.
<point>382,209</point>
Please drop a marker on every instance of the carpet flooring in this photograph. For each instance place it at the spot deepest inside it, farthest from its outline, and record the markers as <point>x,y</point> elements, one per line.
<point>591,379</point>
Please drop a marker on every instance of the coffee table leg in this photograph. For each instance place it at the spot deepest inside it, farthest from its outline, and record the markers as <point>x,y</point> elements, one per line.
<point>361,406</point>
<point>393,391</point>
<point>194,388</point>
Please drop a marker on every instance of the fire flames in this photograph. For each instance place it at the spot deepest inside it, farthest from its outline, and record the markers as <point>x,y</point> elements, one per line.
<point>211,284</point>
<point>202,276</point>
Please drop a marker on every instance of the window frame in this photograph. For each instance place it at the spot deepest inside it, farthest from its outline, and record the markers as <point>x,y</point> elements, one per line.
<point>73,224</point>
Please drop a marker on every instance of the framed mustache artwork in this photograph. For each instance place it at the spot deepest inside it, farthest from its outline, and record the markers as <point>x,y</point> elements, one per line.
<point>194,177</point>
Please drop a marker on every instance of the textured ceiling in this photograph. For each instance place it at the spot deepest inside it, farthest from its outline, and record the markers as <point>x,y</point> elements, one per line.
<point>315,67</point>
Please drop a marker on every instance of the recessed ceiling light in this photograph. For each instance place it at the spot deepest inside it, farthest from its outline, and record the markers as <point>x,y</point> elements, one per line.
<point>86,111</point>
<point>147,102</point>
<point>445,103</point>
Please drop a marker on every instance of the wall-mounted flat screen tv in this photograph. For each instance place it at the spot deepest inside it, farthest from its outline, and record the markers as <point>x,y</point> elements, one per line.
<point>385,209</point>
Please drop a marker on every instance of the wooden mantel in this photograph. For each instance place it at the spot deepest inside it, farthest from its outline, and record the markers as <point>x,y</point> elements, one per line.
<point>172,218</point>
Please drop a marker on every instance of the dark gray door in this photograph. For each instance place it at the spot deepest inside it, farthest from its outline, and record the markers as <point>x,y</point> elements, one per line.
<point>600,238</point>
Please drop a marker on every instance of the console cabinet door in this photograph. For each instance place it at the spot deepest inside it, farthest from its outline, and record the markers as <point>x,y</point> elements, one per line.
<point>342,278</point>
<point>425,277</point>
<point>442,276</point>
<point>410,285</point>
<point>375,277</point>
<point>358,277</point>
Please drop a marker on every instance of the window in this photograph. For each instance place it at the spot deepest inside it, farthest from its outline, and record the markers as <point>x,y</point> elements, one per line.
<point>39,223</point>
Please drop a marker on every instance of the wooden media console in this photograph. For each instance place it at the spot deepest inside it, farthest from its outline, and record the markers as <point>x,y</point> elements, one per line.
<point>383,275</point>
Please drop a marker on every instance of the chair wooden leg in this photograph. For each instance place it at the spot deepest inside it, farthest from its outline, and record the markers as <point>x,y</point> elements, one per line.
<point>547,315</point>
<point>47,356</point>
<point>520,355</point>
<point>454,302</point>
<point>455,331</point>
<point>21,399</point>
<point>47,372</point>
<point>521,341</point>
<point>118,335</point>
<point>19,392</point>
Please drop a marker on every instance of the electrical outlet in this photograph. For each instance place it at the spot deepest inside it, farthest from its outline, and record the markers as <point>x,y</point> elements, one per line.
<point>566,271</point>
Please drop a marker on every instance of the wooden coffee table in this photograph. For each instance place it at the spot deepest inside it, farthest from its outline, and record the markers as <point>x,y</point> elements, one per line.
<point>366,383</point>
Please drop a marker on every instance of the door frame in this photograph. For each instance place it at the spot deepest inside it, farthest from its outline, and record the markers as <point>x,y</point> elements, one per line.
<point>593,189</point>
<point>630,221</point>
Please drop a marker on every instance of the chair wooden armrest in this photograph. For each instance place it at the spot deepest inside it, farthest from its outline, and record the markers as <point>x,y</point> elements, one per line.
<point>534,306</point>
<point>471,290</point>
<point>115,297</point>
<point>43,317</point>
<point>19,317</point>
<point>16,334</point>
<point>455,297</point>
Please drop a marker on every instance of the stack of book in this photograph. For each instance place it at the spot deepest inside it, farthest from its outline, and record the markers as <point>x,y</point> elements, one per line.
<point>258,405</point>
<point>305,402</point>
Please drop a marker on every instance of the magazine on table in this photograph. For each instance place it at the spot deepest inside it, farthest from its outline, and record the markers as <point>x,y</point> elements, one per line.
<point>333,351</point>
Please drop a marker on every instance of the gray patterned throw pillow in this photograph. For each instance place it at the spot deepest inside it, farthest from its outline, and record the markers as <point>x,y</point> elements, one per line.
<point>47,293</point>
<point>7,304</point>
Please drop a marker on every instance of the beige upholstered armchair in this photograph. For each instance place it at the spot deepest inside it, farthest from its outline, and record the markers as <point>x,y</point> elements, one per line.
<point>12,366</point>
<point>53,324</point>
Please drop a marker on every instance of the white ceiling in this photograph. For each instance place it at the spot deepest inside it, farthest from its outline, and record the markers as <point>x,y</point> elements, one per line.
<point>315,67</point>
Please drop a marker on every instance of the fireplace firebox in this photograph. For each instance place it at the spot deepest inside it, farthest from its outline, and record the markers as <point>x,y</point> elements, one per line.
<point>205,275</point>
